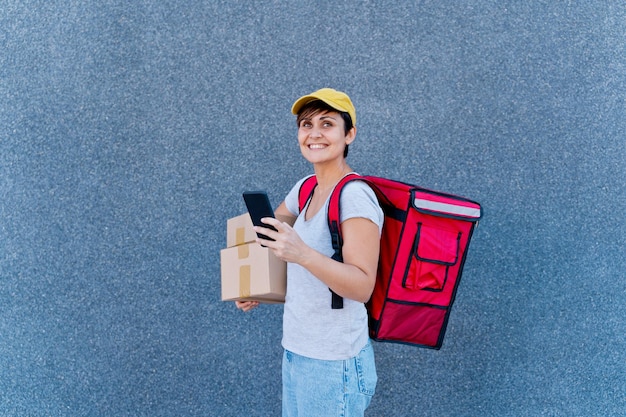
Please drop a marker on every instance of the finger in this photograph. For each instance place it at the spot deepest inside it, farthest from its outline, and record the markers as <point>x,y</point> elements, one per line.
<point>246,305</point>
<point>272,221</point>
<point>250,305</point>
<point>270,233</point>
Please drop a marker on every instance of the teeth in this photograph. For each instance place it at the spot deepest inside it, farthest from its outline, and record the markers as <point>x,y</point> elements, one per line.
<point>317,146</point>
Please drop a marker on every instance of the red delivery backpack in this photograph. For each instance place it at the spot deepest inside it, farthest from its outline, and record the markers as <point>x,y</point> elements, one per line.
<point>422,251</point>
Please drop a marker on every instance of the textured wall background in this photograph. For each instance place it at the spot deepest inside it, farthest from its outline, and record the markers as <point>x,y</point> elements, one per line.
<point>128,130</point>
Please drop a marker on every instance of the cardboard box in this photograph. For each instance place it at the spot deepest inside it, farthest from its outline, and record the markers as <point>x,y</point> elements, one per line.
<point>239,231</point>
<point>252,272</point>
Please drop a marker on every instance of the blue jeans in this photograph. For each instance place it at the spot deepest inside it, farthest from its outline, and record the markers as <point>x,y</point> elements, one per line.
<point>342,388</point>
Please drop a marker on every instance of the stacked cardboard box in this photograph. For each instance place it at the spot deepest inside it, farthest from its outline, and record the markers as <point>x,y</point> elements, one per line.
<point>250,271</point>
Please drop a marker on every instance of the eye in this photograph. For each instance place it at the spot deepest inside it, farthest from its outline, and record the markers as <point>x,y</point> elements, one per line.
<point>305,123</point>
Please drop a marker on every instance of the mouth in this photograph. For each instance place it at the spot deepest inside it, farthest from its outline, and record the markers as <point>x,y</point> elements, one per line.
<point>317,146</point>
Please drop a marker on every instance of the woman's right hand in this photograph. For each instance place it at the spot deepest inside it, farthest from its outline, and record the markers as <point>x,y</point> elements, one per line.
<point>246,305</point>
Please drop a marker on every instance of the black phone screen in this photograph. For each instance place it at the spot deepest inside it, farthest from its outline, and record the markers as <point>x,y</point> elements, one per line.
<point>258,204</point>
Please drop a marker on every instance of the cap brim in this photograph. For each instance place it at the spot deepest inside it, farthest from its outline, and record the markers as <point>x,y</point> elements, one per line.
<point>300,103</point>
<point>303,101</point>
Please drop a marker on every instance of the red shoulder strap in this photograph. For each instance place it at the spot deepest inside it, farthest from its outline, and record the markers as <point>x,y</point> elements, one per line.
<point>334,225</point>
<point>334,211</point>
<point>306,190</point>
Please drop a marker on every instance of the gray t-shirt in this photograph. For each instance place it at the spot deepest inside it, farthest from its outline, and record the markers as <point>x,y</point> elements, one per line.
<point>311,327</point>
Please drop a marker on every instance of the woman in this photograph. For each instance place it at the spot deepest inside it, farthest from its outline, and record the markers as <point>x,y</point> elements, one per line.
<point>328,361</point>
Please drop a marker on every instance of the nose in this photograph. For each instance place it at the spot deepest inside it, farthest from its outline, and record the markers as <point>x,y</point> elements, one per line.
<point>316,132</point>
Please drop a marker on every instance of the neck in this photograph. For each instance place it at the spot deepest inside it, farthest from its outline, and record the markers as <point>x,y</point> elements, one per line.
<point>328,176</point>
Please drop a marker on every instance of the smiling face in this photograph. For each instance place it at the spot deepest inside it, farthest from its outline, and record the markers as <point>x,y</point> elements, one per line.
<point>322,136</point>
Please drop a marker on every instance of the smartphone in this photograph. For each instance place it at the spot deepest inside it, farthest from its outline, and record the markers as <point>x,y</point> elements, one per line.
<point>258,204</point>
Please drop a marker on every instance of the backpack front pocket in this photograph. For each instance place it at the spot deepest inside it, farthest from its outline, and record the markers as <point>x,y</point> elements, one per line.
<point>435,249</point>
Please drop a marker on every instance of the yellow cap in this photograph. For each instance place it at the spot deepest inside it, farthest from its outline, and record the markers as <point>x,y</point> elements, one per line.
<point>335,99</point>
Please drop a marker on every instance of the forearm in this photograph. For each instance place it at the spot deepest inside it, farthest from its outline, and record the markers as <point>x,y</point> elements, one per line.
<point>345,279</point>
<point>353,278</point>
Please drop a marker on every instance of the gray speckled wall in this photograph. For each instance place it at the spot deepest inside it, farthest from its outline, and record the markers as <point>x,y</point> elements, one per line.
<point>129,129</point>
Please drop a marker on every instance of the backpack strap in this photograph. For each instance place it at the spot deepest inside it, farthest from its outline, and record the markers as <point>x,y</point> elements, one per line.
<point>334,221</point>
<point>306,191</point>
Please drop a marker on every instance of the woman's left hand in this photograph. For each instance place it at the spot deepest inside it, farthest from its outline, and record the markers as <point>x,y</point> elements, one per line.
<point>246,305</point>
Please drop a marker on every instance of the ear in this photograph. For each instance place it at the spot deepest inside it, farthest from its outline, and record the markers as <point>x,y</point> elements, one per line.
<point>351,135</point>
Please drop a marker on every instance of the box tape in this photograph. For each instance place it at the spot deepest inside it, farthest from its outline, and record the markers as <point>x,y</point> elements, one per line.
<point>240,235</point>
<point>243,251</point>
<point>244,281</point>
